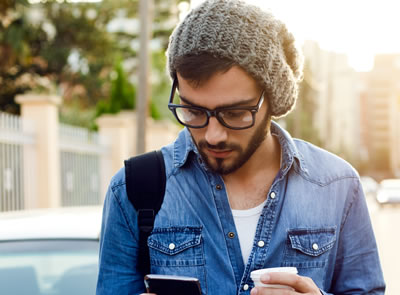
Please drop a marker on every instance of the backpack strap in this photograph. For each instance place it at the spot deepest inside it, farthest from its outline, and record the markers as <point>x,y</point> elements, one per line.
<point>145,186</point>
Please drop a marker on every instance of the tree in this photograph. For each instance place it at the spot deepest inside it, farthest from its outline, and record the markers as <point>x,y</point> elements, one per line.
<point>38,42</point>
<point>69,47</point>
<point>300,122</point>
<point>123,94</point>
<point>18,63</point>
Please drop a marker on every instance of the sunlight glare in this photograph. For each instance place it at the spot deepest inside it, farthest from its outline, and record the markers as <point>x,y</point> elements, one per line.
<point>358,28</point>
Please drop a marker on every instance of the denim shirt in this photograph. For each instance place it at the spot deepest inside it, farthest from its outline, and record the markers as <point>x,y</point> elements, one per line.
<point>315,219</point>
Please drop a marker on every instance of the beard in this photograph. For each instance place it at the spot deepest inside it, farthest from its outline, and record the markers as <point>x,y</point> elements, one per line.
<point>244,154</point>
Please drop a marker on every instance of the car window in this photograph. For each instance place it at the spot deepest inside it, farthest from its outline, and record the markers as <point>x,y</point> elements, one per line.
<point>55,267</point>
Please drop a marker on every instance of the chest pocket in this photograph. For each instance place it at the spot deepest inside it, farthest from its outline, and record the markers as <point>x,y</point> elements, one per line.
<point>307,248</point>
<point>176,246</point>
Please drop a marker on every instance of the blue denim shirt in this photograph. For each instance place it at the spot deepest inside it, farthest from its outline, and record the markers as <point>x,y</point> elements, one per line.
<point>317,221</point>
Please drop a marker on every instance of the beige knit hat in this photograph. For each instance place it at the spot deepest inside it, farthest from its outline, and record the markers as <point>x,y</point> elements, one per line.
<point>252,38</point>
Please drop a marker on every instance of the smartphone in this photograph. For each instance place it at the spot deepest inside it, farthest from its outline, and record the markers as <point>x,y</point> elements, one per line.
<point>172,285</point>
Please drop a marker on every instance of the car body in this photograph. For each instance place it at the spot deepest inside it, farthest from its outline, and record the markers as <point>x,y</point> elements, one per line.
<point>49,251</point>
<point>388,192</point>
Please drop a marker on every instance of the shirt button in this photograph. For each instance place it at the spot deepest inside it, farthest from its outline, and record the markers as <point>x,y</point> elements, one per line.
<point>231,235</point>
<point>171,246</point>
<point>260,244</point>
<point>315,246</point>
<point>272,195</point>
<point>218,187</point>
<point>246,287</point>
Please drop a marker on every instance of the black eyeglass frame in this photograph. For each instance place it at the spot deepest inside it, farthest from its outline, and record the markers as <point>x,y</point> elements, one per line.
<point>214,113</point>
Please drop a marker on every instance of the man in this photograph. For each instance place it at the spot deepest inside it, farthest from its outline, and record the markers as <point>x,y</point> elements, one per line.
<point>241,194</point>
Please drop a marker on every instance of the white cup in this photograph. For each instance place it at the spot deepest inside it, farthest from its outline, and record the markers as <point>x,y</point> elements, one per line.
<point>256,275</point>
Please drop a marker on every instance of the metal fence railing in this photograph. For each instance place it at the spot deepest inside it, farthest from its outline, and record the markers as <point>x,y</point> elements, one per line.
<point>84,156</point>
<point>17,166</point>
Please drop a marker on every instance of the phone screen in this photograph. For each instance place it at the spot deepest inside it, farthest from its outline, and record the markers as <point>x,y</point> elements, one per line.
<point>172,285</point>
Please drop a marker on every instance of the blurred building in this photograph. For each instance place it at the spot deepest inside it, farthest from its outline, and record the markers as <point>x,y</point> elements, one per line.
<point>381,115</point>
<point>337,106</point>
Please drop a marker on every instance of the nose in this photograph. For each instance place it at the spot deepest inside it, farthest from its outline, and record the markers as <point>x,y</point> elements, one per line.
<point>215,132</point>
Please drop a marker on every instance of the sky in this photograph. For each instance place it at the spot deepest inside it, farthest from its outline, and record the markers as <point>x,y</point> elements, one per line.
<point>358,28</point>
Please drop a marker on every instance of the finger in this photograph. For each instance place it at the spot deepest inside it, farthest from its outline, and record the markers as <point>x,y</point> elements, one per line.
<point>299,283</point>
<point>271,291</point>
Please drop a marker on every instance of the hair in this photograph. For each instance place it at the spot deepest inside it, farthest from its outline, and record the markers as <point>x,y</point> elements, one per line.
<point>199,68</point>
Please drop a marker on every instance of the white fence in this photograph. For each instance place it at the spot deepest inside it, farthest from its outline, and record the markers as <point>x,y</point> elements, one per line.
<point>47,164</point>
<point>84,160</point>
<point>17,166</point>
<point>84,156</point>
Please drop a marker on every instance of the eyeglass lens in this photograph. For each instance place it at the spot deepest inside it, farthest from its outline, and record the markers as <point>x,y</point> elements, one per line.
<point>233,118</point>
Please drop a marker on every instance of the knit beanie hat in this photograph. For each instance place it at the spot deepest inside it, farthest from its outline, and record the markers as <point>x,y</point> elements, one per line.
<point>254,39</point>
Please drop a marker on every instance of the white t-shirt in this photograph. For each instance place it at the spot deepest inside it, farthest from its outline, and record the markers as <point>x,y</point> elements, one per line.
<point>246,225</point>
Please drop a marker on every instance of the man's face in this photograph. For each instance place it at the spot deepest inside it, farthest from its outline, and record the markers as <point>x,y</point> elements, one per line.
<point>225,150</point>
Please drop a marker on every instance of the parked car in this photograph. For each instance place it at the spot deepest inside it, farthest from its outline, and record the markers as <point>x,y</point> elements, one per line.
<point>388,192</point>
<point>49,251</point>
<point>369,185</point>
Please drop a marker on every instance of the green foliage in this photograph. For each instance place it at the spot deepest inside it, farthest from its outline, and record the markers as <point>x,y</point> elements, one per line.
<point>122,91</point>
<point>154,111</point>
<point>123,94</point>
<point>161,87</point>
<point>71,46</point>
<point>16,61</point>
<point>85,38</point>
<point>74,114</point>
<point>35,49</point>
<point>5,5</point>
<point>300,122</point>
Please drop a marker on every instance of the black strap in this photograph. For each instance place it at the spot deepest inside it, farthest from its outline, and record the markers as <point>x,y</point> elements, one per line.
<point>145,186</point>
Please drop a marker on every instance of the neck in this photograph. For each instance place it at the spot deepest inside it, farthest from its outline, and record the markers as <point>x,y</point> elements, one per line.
<point>249,185</point>
<point>264,162</point>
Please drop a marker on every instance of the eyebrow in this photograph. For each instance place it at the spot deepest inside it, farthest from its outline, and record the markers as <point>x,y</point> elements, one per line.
<point>236,104</point>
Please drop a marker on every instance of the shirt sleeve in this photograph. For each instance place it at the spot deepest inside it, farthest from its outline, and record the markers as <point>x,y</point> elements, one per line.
<point>357,268</point>
<point>118,246</point>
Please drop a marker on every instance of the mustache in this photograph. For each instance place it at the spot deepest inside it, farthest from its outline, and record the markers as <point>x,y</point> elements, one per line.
<point>220,146</point>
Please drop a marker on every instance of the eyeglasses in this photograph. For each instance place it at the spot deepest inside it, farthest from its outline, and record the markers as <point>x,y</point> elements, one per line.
<point>236,118</point>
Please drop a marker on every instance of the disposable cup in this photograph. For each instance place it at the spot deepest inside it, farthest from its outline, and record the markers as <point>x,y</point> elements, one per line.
<point>256,275</point>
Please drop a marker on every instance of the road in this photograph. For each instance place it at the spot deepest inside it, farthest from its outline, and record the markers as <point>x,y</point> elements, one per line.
<point>385,222</point>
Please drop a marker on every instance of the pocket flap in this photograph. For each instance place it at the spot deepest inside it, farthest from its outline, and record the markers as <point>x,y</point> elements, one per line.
<point>173,240</point>
<point>313,242</point>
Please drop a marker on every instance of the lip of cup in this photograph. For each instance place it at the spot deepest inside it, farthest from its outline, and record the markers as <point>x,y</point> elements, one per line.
<point>256,274</point>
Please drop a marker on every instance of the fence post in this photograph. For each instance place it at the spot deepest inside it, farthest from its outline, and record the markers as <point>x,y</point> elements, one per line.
<point>120,131</point>
<point>42,109</point>
<point>160,133</point>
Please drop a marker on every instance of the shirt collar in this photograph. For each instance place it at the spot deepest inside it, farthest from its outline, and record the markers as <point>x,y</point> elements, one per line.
<point>184,147</point>
<point>290,153</point>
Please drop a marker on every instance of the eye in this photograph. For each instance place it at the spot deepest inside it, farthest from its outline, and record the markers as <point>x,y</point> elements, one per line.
<point>234,114</point>
<point>190,114</point>
<point>194,112</point>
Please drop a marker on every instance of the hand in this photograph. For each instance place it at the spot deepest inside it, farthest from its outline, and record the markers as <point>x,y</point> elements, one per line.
<point>300,284</point>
